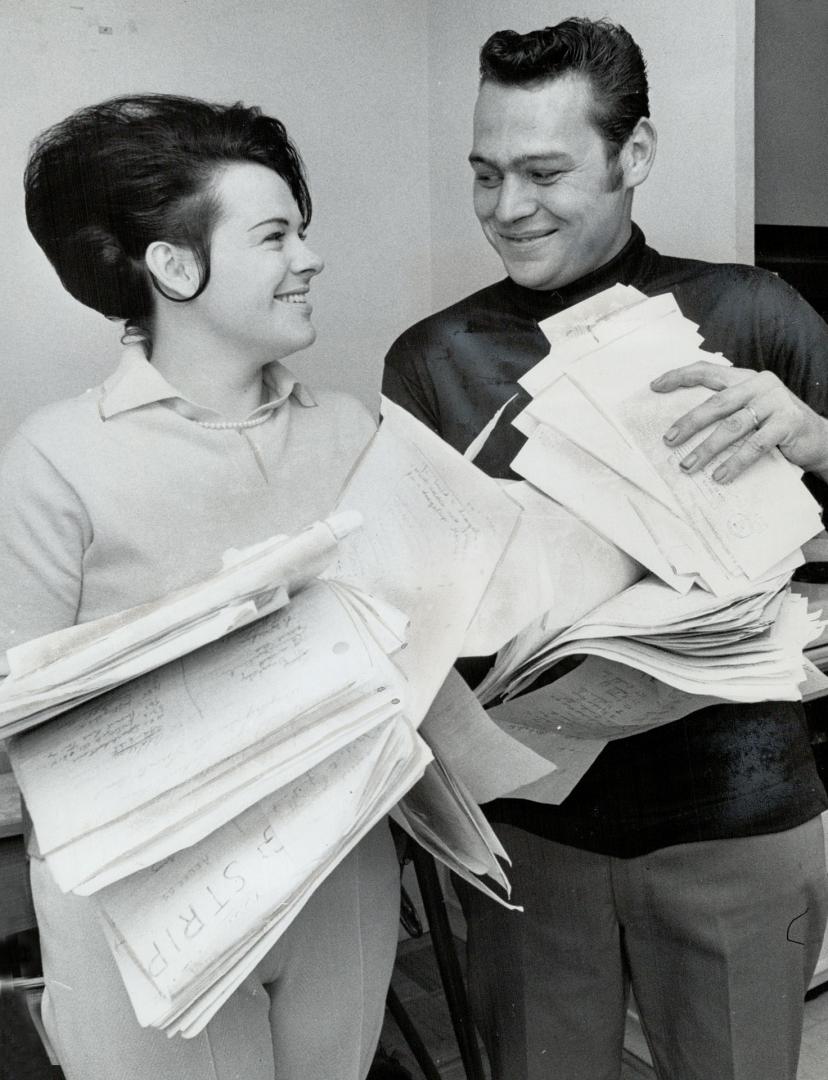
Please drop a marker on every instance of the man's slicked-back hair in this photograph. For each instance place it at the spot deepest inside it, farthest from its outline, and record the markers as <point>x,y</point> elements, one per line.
<point>597,50</point>
<point>113,178</point>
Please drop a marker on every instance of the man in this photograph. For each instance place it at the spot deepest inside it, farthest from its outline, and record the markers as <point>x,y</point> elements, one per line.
<point>689,861</point>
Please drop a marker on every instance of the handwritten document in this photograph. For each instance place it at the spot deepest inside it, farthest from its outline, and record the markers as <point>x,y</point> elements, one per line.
<point>599,699</point>
<point>554,565</point>
<point>599,496</point>
<point>568,722</point>
<point>766,665</point>
<point>51,673</point>
<point>188,930</point>
<point>178,747</point>
<point>435,528</point>
<point>595,443</point>
<point>466,738</point>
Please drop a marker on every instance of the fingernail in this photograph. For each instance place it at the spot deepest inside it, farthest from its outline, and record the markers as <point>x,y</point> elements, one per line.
<point>720,474</point>
<point>656,383</point>
<point>671,434</point>
<point>688,462</point>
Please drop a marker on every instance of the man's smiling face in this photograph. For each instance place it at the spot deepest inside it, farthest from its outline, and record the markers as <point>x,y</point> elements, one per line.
<point>551,199</point>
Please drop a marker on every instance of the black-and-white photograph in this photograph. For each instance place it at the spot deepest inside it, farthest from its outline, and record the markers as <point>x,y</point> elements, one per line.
<point>413,566</point>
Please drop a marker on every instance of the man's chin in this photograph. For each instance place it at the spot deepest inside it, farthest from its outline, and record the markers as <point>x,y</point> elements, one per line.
<point>540,278</point>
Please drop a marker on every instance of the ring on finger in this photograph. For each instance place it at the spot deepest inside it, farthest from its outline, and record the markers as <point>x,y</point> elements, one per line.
<point>756,421</point>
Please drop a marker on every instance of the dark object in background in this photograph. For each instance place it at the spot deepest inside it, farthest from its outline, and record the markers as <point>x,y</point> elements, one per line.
<point>387,1067</point>
<point>799,255</point>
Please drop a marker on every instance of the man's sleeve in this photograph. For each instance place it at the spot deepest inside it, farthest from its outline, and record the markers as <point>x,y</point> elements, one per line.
<point>794,342</point>
<point>407,382</point>
<point>798,353</point>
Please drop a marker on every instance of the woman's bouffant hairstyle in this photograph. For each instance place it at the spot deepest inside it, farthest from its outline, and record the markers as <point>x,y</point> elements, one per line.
<point>112,178</point>
<point>598,50</point>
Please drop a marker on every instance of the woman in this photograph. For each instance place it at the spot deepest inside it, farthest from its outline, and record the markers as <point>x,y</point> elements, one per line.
<point>187,220</point>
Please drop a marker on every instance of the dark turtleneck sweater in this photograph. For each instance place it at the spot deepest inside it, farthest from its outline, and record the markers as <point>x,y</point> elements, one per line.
<point>724,771</point>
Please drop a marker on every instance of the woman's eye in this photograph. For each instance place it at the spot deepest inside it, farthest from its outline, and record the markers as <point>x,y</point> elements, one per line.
<point>278,236</point>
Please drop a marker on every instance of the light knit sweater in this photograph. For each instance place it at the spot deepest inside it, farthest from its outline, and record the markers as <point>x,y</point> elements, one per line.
<point>120,495</point>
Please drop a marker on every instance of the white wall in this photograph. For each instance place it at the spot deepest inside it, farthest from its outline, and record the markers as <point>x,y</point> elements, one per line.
<point>791,110</point>
<point>698,200</point>
<point>379,99</point>
<point>349,81</point>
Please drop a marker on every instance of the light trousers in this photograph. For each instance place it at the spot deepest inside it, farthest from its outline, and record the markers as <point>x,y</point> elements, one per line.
<point>718,940</point>
<point>312,1009</point>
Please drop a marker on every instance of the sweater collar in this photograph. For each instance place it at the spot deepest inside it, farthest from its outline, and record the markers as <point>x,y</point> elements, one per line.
<point>135,382</point>
<point>624,268</point>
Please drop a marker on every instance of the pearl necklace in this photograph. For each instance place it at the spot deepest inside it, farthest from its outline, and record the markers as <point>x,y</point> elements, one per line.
<point>235,425</point>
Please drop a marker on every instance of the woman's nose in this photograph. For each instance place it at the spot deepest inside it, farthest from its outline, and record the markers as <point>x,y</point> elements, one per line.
<point>307,262</point>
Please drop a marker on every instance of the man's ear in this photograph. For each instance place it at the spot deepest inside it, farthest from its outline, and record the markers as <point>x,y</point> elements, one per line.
<point>638,153</point>
<point>174,268</point>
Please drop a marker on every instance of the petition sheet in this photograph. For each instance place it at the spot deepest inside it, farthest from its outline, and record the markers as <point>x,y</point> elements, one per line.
<point>435,528</point>
<point>487,760</point>
<point>595,442</point>
<point>554,563</point>
<point>252,702</point>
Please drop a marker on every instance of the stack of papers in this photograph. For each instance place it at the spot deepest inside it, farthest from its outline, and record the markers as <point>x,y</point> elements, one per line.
<point>472,560</point>
<point>747,647</point>
<point>55,672</point>
<point>221,788</point>
<point>169,757</point>
<point>554,566</point>
<point>435,530</point>
<point>188,931</point>
<point>595,444</point>
<point>714,620</point>
<point>191,768</point>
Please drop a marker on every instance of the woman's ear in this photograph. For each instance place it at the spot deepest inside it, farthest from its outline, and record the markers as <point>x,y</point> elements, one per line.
<point>174,269</point>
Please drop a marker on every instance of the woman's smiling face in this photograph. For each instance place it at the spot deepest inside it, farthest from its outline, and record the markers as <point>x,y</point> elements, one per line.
<point>260,266</point>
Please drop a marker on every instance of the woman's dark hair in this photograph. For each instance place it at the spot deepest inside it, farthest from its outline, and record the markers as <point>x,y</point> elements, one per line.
<point>112,178</point>
<point>599,51</point>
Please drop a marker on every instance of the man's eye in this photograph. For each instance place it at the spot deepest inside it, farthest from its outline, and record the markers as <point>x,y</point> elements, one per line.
<point>487,180</point>
<point>544,177</point>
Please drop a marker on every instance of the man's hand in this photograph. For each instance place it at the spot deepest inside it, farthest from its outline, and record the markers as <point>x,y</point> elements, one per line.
<point>751,405</point>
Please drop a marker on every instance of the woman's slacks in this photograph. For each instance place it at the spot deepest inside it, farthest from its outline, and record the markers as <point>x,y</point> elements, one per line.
<point>312,1009</point>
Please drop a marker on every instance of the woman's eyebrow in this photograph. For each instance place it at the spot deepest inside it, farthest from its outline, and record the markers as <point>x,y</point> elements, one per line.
<point>270,221</point>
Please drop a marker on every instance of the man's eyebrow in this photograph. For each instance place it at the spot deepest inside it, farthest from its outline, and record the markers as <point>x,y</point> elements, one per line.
<point>525,159</point>
<point>270,221</point>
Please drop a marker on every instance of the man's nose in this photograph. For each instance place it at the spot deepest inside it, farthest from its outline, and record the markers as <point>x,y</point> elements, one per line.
<point>515,200</point>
